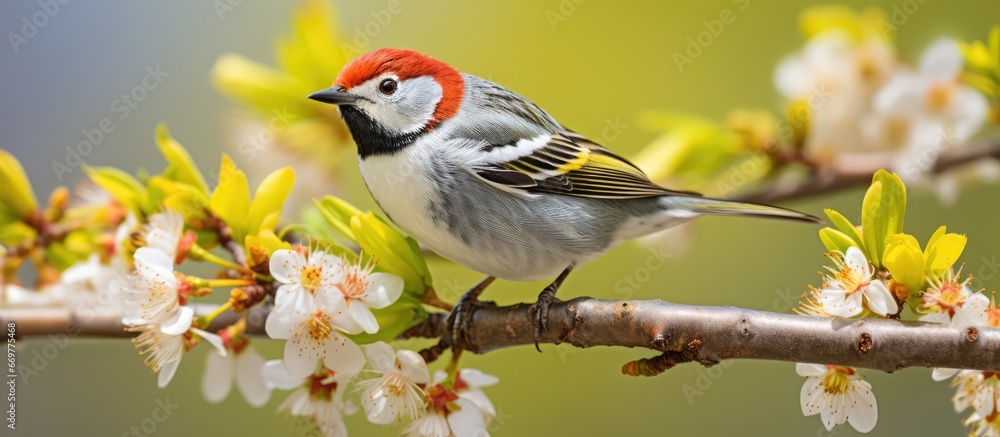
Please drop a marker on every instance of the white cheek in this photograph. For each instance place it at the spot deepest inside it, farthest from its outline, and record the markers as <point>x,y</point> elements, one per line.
<point>397,121</point>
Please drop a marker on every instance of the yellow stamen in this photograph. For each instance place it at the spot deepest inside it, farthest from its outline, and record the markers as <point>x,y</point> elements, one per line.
<point>836,380</point>
<point>311,277</point>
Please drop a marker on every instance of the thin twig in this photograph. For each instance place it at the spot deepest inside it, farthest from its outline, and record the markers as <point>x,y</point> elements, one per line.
<point>858,172</point>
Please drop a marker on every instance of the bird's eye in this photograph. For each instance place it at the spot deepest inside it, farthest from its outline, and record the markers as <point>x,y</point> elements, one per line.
<point>387,86</point>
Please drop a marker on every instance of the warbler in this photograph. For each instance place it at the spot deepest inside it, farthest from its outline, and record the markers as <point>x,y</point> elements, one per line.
<point>488,179</point>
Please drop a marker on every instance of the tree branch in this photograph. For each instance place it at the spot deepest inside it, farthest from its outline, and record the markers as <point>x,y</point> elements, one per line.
<point>857,171</point>
<point>683,333</point>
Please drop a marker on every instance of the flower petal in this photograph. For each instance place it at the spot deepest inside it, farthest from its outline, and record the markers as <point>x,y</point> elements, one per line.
<point>218,377</point>
<point>363,316</point>
<point>880,301</point>
<point>903,95</point>
<point>482,402</point>
<point>250,379</point>
<point>809,397</point>
<point>212,339</point>
<point>856,261</point>
<point>332,302</point>
<point>414,366</point>
<point>300,365</point>
<point>942,60</point>
<point>286,266</point>
<point>343,355</point>
<point>179,322</point>
<point>864,413</point>
<point>331,267</point>
<point>289,311</point>
<point>477,378</point>
<point>467,421</point>
<point>808,369</point>
<point>276,376</point>
<point>973,312</point>
<point>936,317</point>
<point>940,373</point>
<point>167,371</point>
<point>385,289</point>
<point>381,356</point>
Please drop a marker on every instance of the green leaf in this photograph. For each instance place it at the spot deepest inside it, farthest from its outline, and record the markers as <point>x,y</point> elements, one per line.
<point>393,252</point>
<point>15,189</point>
<point>872,224</point>
<point>180,166</point>
<point>268,200</point>
<point>338,213</point>
<point>124,188</point>
<point>16,233</point>
<point>393,320</point>
<point>183,198</point>
<point>231,198</point>
<point>835,241</point>
<point>60,257</point>
<point>882,213</point>
<point>846,227</point>
<point>894,193</point>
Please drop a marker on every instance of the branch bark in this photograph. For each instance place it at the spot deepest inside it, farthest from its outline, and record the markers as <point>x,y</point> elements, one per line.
<point>858,170</point>
<point>684,333</point>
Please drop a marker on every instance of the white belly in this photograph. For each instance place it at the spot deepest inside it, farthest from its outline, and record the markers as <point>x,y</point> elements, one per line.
<point>405,192</point>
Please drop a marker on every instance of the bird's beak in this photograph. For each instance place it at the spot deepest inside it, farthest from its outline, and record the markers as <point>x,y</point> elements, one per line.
<point>335,96</point>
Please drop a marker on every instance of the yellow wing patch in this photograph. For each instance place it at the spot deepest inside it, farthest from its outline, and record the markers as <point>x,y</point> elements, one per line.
<point>572,165</point>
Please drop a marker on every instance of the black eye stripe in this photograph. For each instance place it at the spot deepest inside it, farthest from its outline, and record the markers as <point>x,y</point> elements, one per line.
<point>387,86</point>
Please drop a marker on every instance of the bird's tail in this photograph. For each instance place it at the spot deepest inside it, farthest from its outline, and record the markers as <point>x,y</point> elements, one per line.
<point>707,206</point>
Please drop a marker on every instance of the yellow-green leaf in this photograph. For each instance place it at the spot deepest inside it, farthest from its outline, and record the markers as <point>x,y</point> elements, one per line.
<point>846,227</point>
<point>873,224</point>
<point>124,188</point>
<point>15,189</point>
<point>393,320</point>
<point>267,239</point>
<point>231,198</point>
<point>181,197</point>
<point>180,166</point>
<point>393,252</point>
<point>338,213</point>
<point>894,193</point>
<point>16,233</point>
<point>835,241</point>
<point>882,213</point>
<point>269,199</point>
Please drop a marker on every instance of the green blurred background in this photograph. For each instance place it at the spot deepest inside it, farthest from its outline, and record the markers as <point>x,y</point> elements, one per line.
<point>603,61</point>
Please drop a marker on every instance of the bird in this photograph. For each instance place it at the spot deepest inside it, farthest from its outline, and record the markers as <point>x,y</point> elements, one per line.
<point>486,178</point>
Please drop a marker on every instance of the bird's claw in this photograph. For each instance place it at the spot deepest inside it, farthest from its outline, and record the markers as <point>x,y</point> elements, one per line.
<point>541,312</point>
<point>460,317</point>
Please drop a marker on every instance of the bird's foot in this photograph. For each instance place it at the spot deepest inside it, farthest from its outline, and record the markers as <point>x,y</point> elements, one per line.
<point>460,317</point>
<point>541,312</point>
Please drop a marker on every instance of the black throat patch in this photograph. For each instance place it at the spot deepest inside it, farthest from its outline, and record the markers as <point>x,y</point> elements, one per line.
<point>371,137</point>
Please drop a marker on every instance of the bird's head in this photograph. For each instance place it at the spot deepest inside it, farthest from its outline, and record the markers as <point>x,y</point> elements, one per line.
<point>389,97</point>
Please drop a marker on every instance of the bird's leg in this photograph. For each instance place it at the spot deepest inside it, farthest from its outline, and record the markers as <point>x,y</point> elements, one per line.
<point>461,314</point>
<point>541,307</point>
